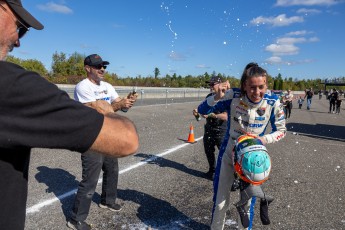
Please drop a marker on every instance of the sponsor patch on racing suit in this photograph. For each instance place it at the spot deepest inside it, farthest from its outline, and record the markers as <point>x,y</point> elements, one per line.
<point>245,116</point>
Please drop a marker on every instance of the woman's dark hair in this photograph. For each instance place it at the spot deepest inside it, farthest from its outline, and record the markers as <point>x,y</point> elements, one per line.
<point>252,69</point>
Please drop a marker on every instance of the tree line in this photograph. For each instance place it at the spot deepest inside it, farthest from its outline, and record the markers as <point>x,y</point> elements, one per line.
<point>70,70</point>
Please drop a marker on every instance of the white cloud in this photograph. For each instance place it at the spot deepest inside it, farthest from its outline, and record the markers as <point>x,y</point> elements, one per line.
<point>177,56</point>
<point>274,60</point>
<point>117,26</point>
<point>306,2</point>
<point>286,45</point>
<point>305,61</point>
<point>279,61</point>
<point>298,33</point>
<point>202,66</point>
<point>280,20</point>
<point>314,39</point>
<point>290,40</point>
<point>308,11</point>
<point>53,7</point>
<point>282,49</point>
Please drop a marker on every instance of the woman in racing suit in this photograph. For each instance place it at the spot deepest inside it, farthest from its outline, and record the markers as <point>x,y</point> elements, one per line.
<point>249,110</point>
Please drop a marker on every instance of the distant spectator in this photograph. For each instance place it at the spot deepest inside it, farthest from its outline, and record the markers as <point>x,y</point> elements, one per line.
<point>332,98</point>
<point>300,102</point>
<point>320,95</point>
<point>341,92</point>
<point>287,99</point>
<point>309,95</point>
<point>338,104</point>
<point>326,94</point>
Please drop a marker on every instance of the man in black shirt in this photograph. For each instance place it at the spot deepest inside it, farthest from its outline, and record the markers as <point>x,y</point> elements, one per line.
<point>35,113</point>
<point>332,99</point>
<point>309,95</point>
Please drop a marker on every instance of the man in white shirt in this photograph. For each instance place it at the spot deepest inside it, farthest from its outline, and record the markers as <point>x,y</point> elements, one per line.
<point>100,95</point>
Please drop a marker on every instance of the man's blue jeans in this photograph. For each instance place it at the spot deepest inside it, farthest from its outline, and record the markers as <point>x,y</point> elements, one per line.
<point>308,103</point>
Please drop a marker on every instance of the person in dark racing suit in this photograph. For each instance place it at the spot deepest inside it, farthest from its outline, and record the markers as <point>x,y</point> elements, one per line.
<point>215,128</point>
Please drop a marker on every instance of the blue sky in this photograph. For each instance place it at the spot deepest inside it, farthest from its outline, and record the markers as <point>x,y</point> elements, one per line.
<point>302,39</point>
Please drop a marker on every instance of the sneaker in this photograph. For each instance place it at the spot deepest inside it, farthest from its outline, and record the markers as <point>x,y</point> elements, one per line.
<point>78,225</point>
<point>111,207</point>
<point>243,215</point>
<point>264,211</point>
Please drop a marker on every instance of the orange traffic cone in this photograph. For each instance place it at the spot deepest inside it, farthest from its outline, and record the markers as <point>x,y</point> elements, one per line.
<point>191,135</point>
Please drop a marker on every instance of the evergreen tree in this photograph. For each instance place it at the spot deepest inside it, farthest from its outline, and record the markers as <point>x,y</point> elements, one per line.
<point>156,72</point>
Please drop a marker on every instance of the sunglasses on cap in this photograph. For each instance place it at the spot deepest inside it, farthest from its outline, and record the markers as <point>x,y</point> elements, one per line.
<point>100,66</point>
<point>21,28</point>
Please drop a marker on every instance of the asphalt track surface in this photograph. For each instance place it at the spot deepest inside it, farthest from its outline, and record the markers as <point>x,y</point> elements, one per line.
<point>163,185</point>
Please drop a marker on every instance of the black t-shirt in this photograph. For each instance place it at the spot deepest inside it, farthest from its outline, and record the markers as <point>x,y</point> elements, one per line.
<point>215,124</point>
<point>35,113</point>
<point>309,94</point>
<point>334,96</point>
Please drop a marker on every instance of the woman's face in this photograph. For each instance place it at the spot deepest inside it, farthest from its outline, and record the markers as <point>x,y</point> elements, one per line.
<point>255,88</point>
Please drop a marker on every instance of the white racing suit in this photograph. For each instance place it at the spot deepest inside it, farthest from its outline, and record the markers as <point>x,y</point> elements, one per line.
<point>244,117</point>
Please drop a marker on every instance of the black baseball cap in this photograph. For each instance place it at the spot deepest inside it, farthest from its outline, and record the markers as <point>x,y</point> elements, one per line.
<point>24,16</point>
<point>214,80</point>
<point>94,60</point>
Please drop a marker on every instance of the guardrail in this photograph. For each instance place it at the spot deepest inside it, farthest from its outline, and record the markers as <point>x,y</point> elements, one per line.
<point>154,95</point>
<point>159,95</point>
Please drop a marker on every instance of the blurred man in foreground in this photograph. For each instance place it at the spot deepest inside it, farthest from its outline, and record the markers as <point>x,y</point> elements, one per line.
<point>35,113</point>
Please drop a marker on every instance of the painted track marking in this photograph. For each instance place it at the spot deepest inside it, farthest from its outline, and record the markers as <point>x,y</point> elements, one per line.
<point>37,207</point>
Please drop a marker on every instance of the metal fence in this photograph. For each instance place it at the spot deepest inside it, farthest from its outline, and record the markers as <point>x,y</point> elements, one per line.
<point>165,96</point>
<point>155,95</point>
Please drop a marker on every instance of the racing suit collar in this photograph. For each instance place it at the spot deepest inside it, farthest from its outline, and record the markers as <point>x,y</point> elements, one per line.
<point>253,104</point>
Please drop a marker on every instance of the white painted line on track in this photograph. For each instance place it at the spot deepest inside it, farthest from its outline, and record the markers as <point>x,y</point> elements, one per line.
<point>37,207</point>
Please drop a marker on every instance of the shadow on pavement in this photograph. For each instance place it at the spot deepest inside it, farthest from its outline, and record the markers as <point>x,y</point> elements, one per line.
<point>320,131</point>
<point>158,213</point>
<point>58,182</point>
<point>162,162</point>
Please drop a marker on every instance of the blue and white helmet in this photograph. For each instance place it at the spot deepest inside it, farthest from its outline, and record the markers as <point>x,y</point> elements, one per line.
<point>252,162</point>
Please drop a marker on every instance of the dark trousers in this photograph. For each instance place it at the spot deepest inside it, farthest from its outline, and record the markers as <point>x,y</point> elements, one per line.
<point>331,105</point>
<point>211,140</point>
<point>92,164</point>
<point>288,109</point>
